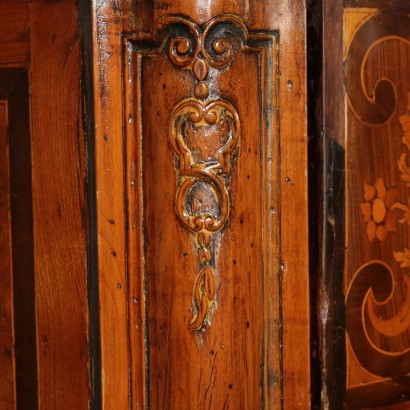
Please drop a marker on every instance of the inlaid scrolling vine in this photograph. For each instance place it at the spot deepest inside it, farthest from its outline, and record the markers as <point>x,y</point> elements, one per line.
<point>378,333</point>
<point>204,133</point>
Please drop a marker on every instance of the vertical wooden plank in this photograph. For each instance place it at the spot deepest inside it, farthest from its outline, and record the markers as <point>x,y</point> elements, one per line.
<point>110,206</point>
<point>132,131</point>
<point>329,139</point>
<point>364,298</point>
<point>58,206</point>
<point>290,19</point>
<point>7,366</point>
<point>376,282</point>
<point>241,333</point>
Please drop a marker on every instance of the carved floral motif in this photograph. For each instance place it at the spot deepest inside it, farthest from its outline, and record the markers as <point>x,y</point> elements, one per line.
<point>204,130</point>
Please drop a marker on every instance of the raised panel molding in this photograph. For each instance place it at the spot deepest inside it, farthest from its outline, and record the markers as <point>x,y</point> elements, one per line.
<point>204,130</point>
<point>198,140</point>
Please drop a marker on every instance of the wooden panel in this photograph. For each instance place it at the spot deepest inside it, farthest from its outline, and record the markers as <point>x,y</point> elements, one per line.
<point>326,187</point>
<point>59,206</point>
<point>215,300</point>
<point>377,285</point>
<point>7,375</point>
<point>368,362</point>
<point>14,33</point>
<point>201,313</point>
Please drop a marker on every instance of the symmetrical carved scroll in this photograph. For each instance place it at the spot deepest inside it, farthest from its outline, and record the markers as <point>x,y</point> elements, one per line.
<point>204,136</point>
<point>215,42</point>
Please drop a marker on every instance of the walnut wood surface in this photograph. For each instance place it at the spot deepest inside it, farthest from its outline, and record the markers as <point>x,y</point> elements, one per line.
<point>47,34</point>
<point>148,259</point>
<point>58,160</point>
<point>375,356</point>
<point>377,126</point>
<point>233,341</point>
<point>52,45</point>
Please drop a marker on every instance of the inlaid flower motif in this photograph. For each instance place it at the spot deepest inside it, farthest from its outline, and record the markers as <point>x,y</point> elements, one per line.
<point>376,209</point>
<point>405,124</point>
<point>403,258</point>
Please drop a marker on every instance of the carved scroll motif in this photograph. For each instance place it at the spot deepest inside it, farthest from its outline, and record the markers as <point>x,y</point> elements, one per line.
<point>203,170</point>
<point>204,128</point>
<point>204,135</point>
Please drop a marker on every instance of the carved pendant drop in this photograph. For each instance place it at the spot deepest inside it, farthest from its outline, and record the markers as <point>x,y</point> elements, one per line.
<point>204,135</point>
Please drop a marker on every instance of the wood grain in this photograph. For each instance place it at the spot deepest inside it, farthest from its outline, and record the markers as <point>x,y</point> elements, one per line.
<point>372,265</point>
<point>238,316</point>
<point>329,161</point>
<point>58,161</point>
<point>110,207</point>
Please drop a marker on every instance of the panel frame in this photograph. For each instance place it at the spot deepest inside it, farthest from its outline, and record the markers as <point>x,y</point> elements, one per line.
<point>143,45</point>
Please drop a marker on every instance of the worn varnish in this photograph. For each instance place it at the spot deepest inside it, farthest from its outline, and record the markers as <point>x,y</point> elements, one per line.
<point>174,304</point>
<point>201,107</point>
